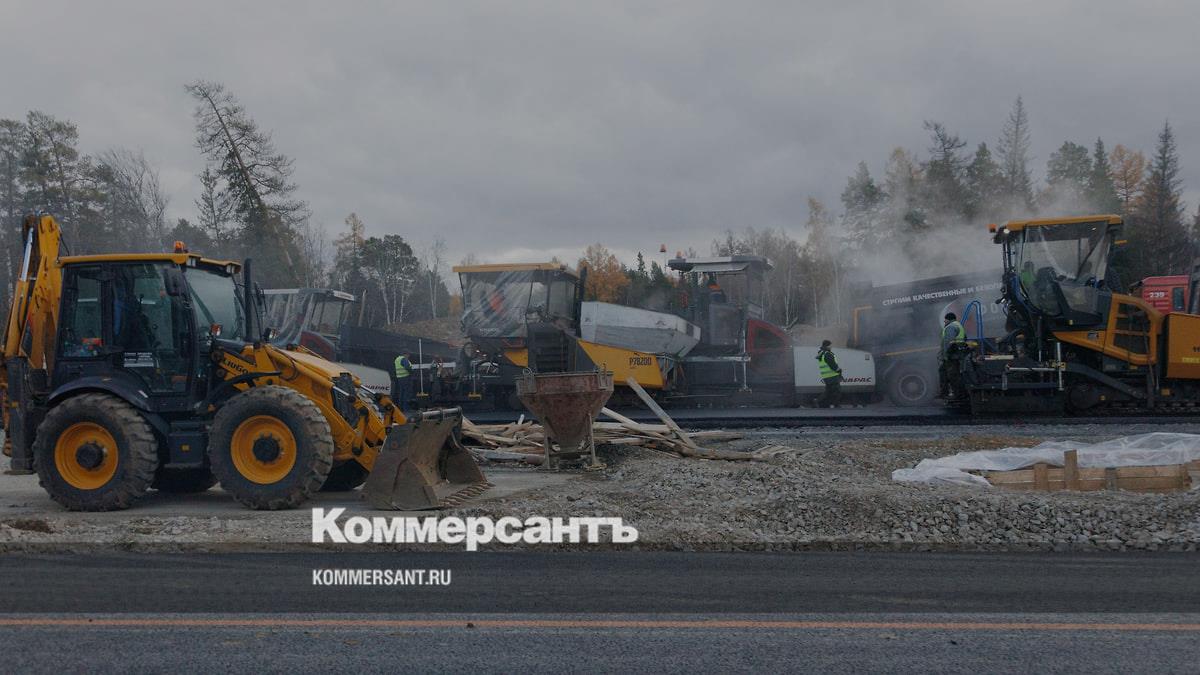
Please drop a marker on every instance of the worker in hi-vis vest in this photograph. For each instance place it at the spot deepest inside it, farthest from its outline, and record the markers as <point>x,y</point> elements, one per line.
<point>831,375</point>
<point>953,337</point>
<point>402,391</point>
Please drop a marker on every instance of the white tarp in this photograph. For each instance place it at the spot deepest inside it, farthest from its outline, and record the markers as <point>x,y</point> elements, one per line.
<point>1142,450</point>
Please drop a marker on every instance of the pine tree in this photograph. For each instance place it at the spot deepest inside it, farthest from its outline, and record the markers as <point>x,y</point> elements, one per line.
<point>864,200</point>
<point>1101,191</point>
<point>52,170</point>
<point>12,200</point>
<point>902,183</point>
<point>1159,240</point>
<point>1013,151</point>
<point>984,183</point>
<point>1067,175</point>
<point>257,179</point>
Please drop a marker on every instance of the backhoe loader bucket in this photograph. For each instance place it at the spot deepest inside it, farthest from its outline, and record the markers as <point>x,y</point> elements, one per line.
<point>423,465</point>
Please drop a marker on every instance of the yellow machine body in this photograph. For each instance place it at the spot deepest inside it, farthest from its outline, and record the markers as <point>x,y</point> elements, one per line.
<point>39,400</point>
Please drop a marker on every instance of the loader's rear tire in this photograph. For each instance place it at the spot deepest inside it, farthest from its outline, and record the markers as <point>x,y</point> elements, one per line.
<point>345,476</point>
<point>271,448</point>
<point>95,452</point>
<point>183,481</point>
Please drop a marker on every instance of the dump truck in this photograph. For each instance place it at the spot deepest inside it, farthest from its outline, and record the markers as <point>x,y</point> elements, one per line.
<point>1074,343</point>
<point>128,371</point>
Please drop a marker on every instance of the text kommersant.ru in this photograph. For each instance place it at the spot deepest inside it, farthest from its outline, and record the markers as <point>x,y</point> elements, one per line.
<point>471,531</point>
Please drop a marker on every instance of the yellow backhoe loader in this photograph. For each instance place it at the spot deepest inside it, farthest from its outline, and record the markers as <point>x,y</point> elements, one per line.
<point>124,372</point>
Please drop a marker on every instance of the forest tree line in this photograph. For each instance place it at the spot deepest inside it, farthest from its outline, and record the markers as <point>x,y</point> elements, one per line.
<point>249,206</point>
<point>920,217</point>
<point>925,216</point>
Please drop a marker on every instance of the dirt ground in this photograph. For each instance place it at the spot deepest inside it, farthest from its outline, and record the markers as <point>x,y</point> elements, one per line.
<point>831,489</point>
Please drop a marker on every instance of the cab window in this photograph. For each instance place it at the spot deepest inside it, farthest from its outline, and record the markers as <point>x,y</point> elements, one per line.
<point>82,334</point>
<point>150,326</point>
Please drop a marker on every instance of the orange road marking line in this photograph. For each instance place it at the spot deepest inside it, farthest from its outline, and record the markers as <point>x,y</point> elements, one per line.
<point>28,622</point>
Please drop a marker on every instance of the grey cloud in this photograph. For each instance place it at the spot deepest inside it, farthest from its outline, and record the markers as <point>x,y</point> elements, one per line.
<point>506,127</point>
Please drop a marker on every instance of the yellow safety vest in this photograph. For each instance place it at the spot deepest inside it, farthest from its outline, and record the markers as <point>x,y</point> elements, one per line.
<point>401,371</point>
<point>826,370</point>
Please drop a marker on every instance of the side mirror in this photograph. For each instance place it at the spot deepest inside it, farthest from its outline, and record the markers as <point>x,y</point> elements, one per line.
<point>269,334</point>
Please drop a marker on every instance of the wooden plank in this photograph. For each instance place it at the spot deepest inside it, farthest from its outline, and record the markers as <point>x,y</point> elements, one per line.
<point>1150,471</point>
<point>616,426</point>
<point>1071,469</point>
<point>718,435</point>
<point>1041,477</point>
<point>658,411</point>
<point>1015,476</point>
<point>1156,484</point>
<point>635,427</point>
<point>501,455</point>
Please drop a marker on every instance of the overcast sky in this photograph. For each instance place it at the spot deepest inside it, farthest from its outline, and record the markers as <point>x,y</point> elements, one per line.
<point>520,129</point>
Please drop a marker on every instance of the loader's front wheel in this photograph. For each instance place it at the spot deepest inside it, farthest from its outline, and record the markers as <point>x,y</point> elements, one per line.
<point>94,452</point>
<point>270,447</point>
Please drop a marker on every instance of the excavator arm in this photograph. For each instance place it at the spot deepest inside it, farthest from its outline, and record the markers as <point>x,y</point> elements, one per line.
<point>30,331</point>
<point>33,314</point>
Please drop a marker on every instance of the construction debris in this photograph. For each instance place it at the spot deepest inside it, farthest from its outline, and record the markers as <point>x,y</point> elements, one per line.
<point>1155,462</point>
<point>523,440</point>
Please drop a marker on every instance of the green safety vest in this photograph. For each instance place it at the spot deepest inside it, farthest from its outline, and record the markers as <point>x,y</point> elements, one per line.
<point>826,370</point>
<point>401,371</point>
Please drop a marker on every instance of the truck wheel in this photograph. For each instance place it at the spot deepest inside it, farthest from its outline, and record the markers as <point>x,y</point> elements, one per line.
<point>911,386</point>
<point>345,476</point>
<point>95,452</point>
<point>183,481</point>
<point>270,447</point>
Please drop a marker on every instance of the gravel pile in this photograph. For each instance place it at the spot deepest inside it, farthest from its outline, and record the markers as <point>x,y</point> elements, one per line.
<point>830,490</point>
<point>837,494</point>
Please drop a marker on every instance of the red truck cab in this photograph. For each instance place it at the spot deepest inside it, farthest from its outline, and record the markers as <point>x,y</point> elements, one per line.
<point>1166,294</point>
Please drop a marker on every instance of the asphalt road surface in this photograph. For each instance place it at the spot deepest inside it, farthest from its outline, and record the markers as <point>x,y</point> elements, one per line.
<point>806,643</point>
<point>867,416</point>
<point>604,611</point>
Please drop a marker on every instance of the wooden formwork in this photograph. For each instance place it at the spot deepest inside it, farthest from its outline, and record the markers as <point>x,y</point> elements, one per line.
<point>1045,478</point>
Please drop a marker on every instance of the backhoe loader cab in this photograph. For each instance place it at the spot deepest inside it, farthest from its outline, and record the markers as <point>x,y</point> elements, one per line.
<point>127,371</point>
